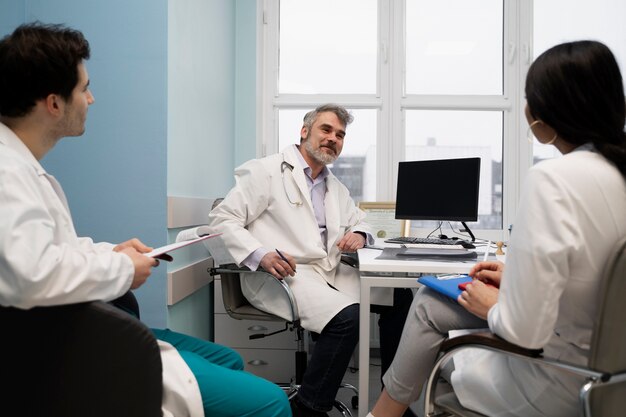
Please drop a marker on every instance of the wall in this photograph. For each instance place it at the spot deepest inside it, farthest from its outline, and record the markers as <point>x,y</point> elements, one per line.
<point>211,119</point>
<point>200,127</point>
<point>245,81</point>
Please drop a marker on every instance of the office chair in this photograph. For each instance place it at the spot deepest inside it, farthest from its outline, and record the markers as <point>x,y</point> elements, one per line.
<point>604,389</point>
<point>76,360</point>
<point>238,307</point>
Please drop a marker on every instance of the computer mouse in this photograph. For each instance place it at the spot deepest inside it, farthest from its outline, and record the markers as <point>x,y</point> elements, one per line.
<point>465,244</point>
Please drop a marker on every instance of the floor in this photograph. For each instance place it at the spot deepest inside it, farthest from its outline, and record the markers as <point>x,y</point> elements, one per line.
<point>352,377</point>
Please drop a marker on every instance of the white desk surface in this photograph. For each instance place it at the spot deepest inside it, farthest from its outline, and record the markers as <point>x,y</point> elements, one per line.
<point>389,273</point>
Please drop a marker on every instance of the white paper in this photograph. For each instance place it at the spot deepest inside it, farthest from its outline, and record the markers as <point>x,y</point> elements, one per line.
<point>174,246</point>
<point>193,233</point>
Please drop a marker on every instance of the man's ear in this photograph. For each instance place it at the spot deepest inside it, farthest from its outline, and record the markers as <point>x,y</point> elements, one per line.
<point>54,104</point>
<point>304,132</point>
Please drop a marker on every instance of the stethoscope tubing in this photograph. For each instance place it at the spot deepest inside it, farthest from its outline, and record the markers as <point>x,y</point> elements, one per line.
<point>286,165</point>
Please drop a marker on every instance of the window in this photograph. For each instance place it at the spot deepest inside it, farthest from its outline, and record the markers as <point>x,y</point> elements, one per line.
<point>601,20</point>
<point>448,53</point>
<point>424,79</point>
<point>323,43</point>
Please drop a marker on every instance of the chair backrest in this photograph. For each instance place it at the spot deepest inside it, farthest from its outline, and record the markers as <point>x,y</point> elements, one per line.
<point>608,343</point>
<point>88,359</point>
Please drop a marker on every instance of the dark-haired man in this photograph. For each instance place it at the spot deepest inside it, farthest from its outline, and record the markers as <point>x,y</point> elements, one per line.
<point>44,96</point>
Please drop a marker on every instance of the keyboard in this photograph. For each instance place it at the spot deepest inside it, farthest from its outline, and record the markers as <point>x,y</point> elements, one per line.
<point>409,240</point>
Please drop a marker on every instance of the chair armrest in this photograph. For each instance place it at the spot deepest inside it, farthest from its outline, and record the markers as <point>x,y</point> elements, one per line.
<point>232,271</point>
<point>488,339</point>
<point>492,342</point>
<point>80,359</point>
<point>350,259</point>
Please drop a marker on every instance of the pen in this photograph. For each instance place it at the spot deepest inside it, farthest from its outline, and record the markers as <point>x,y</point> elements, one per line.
<point>453,276</point>
<point>486,251</point>
<point>283,258</point>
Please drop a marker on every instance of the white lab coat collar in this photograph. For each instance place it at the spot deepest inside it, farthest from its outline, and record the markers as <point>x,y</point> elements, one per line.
<point>10,139</point>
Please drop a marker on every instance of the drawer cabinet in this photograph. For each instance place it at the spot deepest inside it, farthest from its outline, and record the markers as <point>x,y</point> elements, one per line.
<point>272,357</point>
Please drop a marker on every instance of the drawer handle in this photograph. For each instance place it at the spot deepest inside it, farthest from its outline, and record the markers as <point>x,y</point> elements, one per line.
<point>257,328</point>
<point>257,362</point>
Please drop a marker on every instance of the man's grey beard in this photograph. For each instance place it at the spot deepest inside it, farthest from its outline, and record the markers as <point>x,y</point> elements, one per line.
<point>318,155</point>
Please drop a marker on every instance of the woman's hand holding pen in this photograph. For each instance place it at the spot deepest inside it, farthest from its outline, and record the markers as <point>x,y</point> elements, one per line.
<point>279,264</point>
<point>482,293</point>
<point>489,272</point>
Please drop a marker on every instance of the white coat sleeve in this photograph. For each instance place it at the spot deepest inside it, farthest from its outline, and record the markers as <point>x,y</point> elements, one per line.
<point>88,244</point>
<point>361,226</point>
<point>537,266</point>
<point>41,262</point>
<point>245,202</point>
<point>353,214</point>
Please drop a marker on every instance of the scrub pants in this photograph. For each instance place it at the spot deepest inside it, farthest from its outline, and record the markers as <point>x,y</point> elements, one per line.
<point>225,388</point>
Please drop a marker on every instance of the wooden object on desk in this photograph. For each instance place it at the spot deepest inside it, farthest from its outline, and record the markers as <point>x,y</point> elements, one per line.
<point>499,251</point>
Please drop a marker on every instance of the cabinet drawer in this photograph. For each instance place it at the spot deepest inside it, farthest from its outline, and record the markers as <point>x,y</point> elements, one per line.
<point>275,365</point>
<point>235,333</point>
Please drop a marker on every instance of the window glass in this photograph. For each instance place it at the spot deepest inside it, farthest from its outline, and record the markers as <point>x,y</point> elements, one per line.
<point>601,20</point>
<point>454,47</point>
<point>445,48</point>
<point>356,166</point>
<point>461,134</point>
<point>327,46</point>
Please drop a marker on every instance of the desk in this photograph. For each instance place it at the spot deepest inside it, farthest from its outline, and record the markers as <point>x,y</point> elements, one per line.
<point>389,273</point>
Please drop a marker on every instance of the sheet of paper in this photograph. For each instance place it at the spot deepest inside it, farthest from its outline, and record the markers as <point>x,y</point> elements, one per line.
<point>174,246</point>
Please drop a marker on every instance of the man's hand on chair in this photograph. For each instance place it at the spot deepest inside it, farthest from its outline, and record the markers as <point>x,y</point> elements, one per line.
<point>275,265</point>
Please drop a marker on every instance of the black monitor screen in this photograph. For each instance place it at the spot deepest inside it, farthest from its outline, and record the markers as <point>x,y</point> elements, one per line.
<point>444,189</point>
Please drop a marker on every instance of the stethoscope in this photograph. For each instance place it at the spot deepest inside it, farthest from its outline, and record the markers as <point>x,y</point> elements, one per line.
<point>286,165</point>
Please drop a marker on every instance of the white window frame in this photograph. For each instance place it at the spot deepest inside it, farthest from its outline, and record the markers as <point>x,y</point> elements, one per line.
<point>517,55</point>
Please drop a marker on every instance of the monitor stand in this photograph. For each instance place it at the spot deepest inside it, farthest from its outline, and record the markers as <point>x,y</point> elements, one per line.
<point>467,229</point>
<point>405,228</point>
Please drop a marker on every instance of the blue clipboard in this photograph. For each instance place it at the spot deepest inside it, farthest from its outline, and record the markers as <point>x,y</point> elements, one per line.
<point>449,287</point>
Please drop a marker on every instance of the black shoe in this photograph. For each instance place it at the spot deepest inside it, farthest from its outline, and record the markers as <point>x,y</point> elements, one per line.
<point>300,410</point>
<point>409,413</point>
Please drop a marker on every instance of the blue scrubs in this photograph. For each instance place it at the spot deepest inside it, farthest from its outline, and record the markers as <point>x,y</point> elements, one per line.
<point>226,389</point>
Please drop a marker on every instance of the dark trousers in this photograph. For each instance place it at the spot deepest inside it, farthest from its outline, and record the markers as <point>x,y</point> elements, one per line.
<point>335,344</point>
<point>391,323</point>
<point>330,359</point>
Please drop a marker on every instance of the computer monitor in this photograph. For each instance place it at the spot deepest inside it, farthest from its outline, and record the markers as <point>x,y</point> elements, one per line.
<point>441,190</point>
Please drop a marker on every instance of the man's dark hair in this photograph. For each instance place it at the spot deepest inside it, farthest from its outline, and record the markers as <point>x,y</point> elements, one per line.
<point>37,60</point>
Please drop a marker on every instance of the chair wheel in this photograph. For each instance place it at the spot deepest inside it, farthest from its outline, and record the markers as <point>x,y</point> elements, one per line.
<point>355,402</point>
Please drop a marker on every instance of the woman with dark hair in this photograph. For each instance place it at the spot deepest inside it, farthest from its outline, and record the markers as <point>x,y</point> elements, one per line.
<point>571,216</point>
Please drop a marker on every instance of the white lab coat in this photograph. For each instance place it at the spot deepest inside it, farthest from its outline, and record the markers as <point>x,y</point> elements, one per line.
<point>571,215</point>
<point>43,262</point>
<point>257,213</point>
